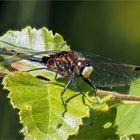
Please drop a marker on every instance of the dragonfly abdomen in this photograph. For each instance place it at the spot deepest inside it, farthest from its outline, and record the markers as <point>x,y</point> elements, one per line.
<point>10,52</point>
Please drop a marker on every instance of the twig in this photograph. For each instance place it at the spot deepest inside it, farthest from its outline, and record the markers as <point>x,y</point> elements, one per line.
<point>118,95</point>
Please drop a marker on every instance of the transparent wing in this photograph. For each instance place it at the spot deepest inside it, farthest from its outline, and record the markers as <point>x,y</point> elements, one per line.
<point>9,56</point>
<point>7,45</point>
<point>108,73</point>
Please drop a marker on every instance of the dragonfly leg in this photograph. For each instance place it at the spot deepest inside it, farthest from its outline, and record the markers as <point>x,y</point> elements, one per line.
<point>92,85</point>
<point>62,99</point>
<point>45,68</point>
<point>56,76</point>
<point>78,89</point>
<point>36,69</point>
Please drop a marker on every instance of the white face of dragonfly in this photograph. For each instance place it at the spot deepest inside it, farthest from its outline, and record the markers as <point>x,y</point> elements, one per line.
<point>85,68</point>
<point>87,71</point>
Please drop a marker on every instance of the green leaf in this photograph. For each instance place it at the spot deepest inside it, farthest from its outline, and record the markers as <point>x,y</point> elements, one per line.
<point>33,40</point>
<point>103,126</point>
<point>41,107</point>
<point>128,115</point>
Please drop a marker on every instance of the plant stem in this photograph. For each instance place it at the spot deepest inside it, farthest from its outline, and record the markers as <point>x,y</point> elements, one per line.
<point>118,95</point>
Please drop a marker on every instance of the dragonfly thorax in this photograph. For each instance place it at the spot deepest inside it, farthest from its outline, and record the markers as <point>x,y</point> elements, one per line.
<point>61,62</point>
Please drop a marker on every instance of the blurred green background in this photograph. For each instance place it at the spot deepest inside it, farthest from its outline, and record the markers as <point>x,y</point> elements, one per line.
<point>111,29</point>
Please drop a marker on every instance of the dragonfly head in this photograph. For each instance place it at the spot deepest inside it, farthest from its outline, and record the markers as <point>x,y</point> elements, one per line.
<point>85,68</point>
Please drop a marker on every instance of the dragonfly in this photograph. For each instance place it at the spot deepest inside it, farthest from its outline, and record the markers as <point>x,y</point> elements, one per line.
<point>95,70</point>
